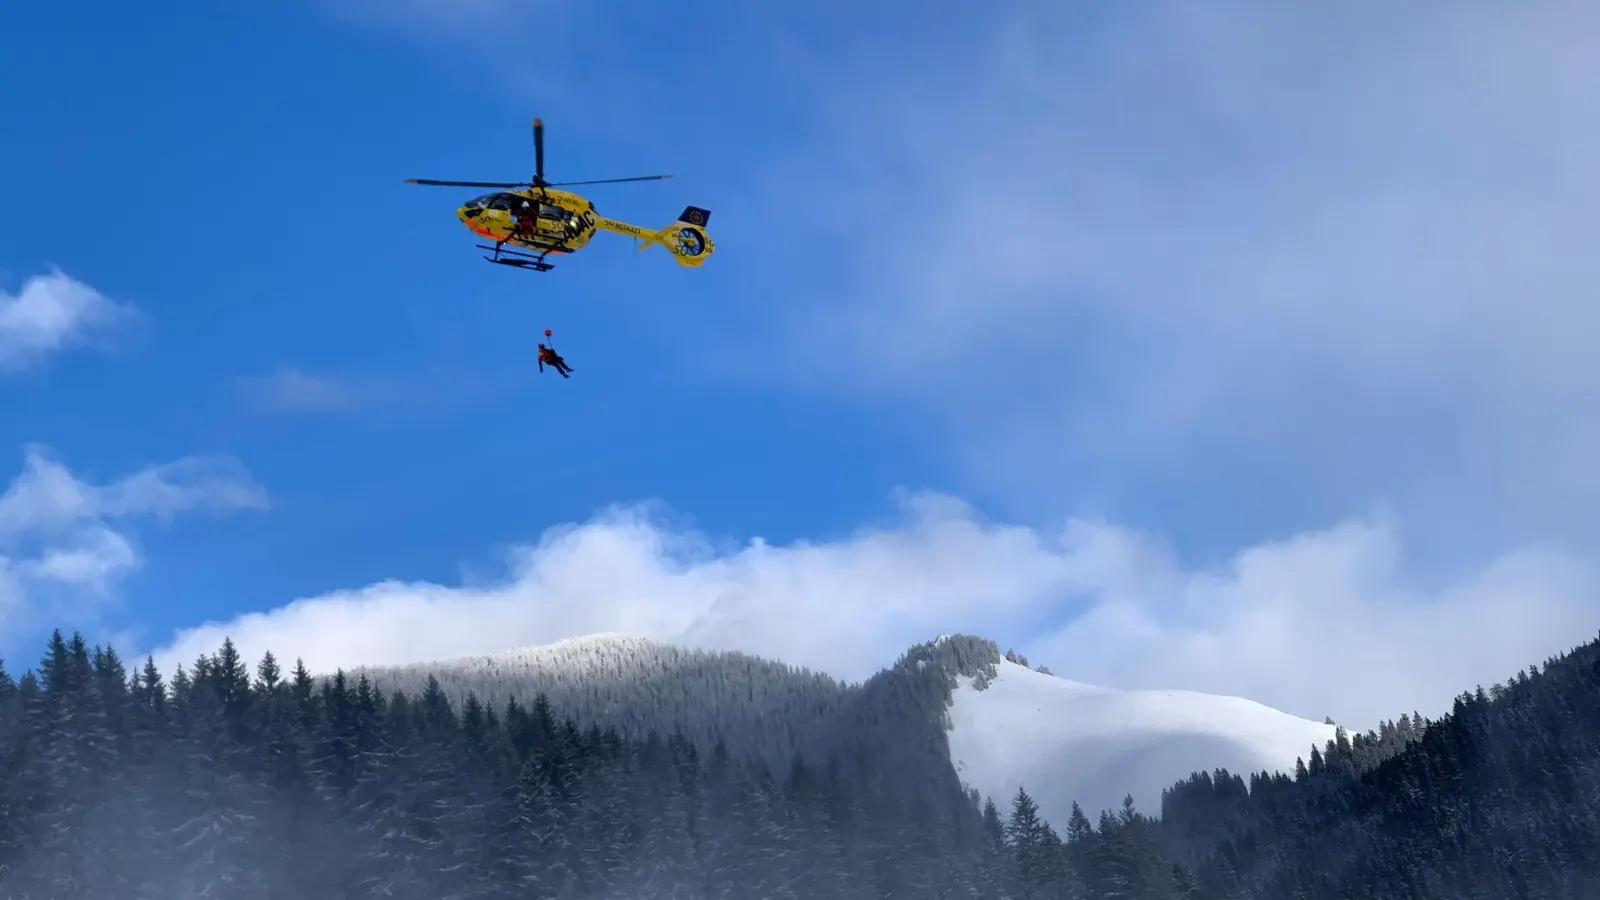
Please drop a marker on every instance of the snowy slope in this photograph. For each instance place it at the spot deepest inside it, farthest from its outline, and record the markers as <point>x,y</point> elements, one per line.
<point>1061,740</point>
<point>1064,741</point>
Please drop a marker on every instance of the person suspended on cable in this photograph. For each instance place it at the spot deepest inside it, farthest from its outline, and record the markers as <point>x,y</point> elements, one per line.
<point>549,356</point>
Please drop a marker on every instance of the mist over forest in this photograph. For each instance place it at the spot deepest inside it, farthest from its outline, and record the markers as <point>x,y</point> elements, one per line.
<point>233,779</point>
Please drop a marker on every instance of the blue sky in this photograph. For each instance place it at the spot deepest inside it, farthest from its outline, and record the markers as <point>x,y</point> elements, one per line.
<point>239,178</point>
<point>1237,347</point>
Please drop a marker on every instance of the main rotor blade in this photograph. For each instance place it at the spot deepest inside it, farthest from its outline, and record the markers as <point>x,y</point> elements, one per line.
<point>538,151</point>
<point>612,180</point>
<point>493,184</point>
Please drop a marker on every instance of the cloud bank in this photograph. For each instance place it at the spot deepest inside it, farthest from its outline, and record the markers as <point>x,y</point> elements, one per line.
<point>66,544</point>
<point>291,390</point>
<point>1328,254</point>
<point>1321,624</point>
<point>53,313</point>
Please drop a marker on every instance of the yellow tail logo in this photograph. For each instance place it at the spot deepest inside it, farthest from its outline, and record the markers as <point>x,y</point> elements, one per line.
<point>686,238</point>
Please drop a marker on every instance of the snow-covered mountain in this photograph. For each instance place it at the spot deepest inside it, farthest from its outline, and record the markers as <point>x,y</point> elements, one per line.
<point>949,712</point>
<point>638,685</point>
<point>1065,741</point>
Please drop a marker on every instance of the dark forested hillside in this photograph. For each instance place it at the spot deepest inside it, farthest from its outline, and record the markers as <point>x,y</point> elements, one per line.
<point>754,707</point>
<point>1498,799</point>
<point>226,785</point>
<point>636,686</point>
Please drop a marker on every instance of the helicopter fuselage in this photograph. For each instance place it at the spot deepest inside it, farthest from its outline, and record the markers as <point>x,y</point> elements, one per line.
<point>536,216</point>
<point>539,218</point>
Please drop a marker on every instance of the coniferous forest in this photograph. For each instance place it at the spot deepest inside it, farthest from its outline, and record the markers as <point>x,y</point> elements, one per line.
<point>238,781</point>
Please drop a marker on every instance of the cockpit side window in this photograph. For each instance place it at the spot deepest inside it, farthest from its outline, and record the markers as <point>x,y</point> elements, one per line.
<point>501,201</point>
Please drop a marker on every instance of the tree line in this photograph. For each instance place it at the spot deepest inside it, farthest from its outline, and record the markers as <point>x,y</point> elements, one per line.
<point>230,782</point>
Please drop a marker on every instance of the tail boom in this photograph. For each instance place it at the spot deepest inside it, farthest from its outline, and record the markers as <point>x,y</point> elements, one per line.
<point>686,239</point>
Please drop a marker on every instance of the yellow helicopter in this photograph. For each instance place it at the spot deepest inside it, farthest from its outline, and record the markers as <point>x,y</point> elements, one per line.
<point>531,215</point>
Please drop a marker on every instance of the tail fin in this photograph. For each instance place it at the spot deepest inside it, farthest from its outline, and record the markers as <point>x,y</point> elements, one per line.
<point>686,238</point>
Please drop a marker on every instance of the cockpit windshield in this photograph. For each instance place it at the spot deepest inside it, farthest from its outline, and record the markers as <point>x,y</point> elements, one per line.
<point>491,201</point>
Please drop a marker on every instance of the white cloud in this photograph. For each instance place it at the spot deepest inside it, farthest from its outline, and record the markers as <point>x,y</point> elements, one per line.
<point>64,542</point>
<point>291,390</point>
<point>381,394</point>
<point>53,313</point>
<point>1323,624</point>
<point>92,559</point>
<point>1337,252</point>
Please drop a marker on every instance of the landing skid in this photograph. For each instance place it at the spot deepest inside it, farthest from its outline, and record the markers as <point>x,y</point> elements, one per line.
<point>518,258</point>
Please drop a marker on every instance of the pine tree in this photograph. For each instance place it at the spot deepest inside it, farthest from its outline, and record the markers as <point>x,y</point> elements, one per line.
<point>1025,839</point>
<point>215,785</point>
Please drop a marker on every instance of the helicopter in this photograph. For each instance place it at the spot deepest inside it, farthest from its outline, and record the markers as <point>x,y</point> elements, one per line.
<point>529,220</point>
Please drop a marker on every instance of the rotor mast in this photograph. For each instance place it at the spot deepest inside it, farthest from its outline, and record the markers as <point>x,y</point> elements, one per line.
<point>539,183</point>
<point>538,154</point>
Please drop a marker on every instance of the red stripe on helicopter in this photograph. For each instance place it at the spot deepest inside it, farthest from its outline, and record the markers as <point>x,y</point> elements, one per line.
<point>484,232</point>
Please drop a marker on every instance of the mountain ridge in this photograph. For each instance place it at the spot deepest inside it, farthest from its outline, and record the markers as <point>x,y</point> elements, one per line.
<point>638,685</point>
<point>931,717</point>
